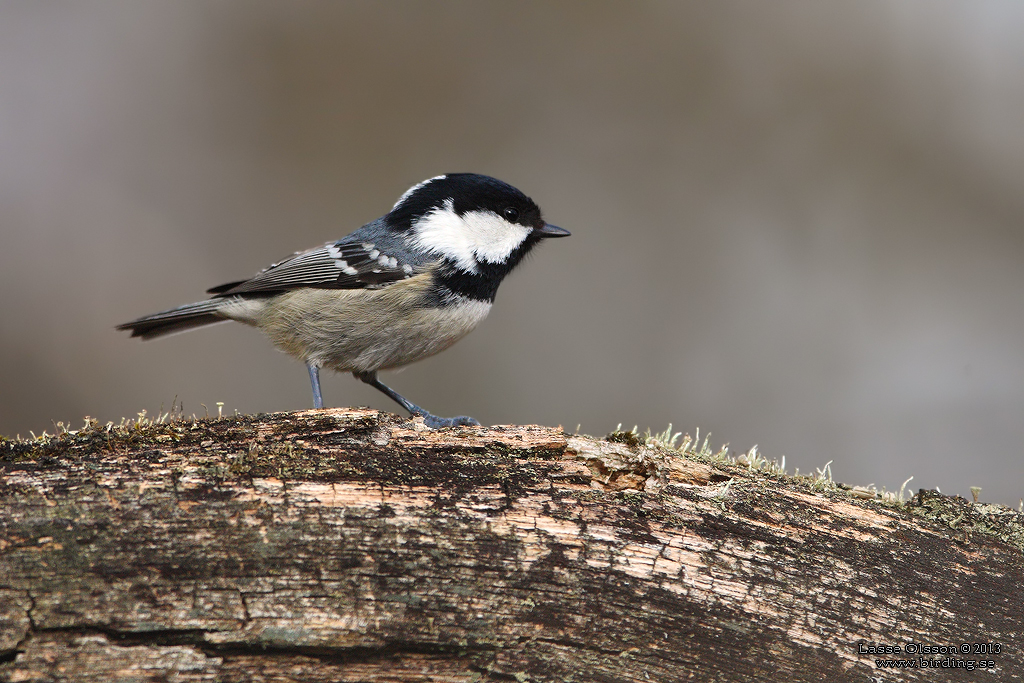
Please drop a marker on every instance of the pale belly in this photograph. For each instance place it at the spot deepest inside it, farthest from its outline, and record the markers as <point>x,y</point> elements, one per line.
<point>359,330</point>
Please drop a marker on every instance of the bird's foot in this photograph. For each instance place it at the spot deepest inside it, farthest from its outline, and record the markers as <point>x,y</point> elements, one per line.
<point>429,419</point>
<point>435,422</point>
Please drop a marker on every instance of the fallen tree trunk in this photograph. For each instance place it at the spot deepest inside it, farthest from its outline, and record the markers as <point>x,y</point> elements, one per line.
<point>352,545</point>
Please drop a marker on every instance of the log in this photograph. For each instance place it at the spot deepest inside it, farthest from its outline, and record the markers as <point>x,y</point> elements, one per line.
<point>355,545</point>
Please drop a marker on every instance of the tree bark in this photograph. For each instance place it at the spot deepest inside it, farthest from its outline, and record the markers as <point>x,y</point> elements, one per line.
<point>353,545</point>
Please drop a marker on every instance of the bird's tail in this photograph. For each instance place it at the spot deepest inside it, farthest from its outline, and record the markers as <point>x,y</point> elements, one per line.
<point>178,319</point>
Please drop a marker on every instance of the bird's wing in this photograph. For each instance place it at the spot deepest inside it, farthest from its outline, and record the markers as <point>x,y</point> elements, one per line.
<point>336,265</point>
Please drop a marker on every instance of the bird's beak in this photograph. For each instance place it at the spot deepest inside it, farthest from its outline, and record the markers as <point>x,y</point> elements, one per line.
<point>551,231</point>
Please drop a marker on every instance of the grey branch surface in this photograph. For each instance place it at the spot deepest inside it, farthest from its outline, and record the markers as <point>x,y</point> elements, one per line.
<point>353,545</point>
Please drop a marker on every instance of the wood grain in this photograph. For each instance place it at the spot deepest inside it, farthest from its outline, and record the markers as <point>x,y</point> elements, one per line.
<point>352,545</point>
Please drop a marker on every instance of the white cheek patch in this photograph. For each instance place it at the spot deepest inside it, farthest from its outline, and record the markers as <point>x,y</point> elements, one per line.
<point>475,236</point>
<point>444,233</point>
<point>495,237</point>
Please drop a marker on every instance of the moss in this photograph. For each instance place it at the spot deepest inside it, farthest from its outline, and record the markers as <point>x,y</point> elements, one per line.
<point>959,514</point>
<point>281,459</point>
<point>139,435</point>
<point>631,438</point>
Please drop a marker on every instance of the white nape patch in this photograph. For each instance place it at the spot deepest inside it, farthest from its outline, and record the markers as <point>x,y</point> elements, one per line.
<point>468,239</point>
<point>408,193</point>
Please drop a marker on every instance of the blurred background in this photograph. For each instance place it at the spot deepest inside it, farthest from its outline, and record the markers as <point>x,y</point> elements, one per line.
<point>795,224</point>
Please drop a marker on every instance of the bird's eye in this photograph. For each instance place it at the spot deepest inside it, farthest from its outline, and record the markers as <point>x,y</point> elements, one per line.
<point>511,214</point>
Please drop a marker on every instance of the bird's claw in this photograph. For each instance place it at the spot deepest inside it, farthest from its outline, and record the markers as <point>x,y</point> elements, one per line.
<point>435,422</point>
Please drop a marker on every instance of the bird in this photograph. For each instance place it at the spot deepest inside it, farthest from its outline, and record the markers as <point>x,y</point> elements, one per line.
<point>399,289</point>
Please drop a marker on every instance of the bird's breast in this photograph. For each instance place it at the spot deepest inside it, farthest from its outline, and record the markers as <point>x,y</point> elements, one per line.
<point>367,329</point>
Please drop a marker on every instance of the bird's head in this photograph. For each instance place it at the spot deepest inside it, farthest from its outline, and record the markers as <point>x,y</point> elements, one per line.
<point>475,222</point>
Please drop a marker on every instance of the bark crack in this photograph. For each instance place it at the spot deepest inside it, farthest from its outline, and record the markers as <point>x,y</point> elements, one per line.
<point>245,608</point>
<point>12,654</point>
<point>579,645</point>
<point>197,638</point>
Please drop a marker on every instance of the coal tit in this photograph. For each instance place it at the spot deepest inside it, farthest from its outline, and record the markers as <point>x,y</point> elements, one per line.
<point>404,287</point>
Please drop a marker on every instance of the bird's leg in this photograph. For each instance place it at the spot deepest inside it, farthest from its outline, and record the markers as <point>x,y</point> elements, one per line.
<point>432,421</point>
<point>314,379</point>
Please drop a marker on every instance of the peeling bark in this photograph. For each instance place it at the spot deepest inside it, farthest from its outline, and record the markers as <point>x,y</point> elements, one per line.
<point>352,545</point>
